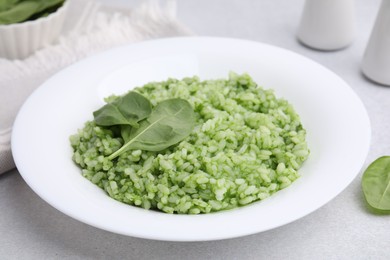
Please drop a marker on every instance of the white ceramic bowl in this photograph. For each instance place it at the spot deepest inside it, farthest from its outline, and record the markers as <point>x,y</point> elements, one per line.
<point>19,40</point>
<point>338,133</point>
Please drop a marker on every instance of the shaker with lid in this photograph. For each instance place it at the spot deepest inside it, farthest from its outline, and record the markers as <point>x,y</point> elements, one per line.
<point>328,24</point>
<point>376,60</point>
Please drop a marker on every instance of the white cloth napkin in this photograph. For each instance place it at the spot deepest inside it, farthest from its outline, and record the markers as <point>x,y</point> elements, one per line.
<point>90,29</point>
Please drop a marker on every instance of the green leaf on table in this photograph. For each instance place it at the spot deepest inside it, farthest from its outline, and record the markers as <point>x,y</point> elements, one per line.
<point>170,122</point>
<point>376,183</point>
<point>125,110</point>
<point>19,13</point>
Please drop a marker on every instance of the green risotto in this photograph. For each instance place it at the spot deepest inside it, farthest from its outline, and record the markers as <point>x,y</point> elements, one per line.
<point>245,145</point>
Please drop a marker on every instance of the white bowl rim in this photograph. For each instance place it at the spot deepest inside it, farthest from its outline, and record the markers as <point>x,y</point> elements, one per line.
<point>215,217</point>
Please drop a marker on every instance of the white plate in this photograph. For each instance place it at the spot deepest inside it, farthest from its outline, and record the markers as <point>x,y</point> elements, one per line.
<point>338,133</point>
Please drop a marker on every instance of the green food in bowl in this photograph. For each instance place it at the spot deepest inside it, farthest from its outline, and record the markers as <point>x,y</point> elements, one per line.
<point>18,11</point>
<point>245,146</point>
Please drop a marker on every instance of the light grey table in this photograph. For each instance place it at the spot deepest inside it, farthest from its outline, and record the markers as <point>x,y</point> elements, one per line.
<point>342,229</point>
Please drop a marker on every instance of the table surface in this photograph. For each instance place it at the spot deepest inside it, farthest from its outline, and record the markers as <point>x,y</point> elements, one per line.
<point>342,229</point>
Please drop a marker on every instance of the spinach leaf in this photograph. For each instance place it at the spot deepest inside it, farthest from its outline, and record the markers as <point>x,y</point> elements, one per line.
<point>126,110</point>
<point>7,4</point>
<point>171,121</point>
<point>12,11</point>
<point>376,183</point>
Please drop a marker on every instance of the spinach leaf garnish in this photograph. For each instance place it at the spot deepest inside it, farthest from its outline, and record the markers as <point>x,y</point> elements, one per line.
<point>376,183</point>
<point>144,128</point>
<point>125,110</point>
<point>171,121</point>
